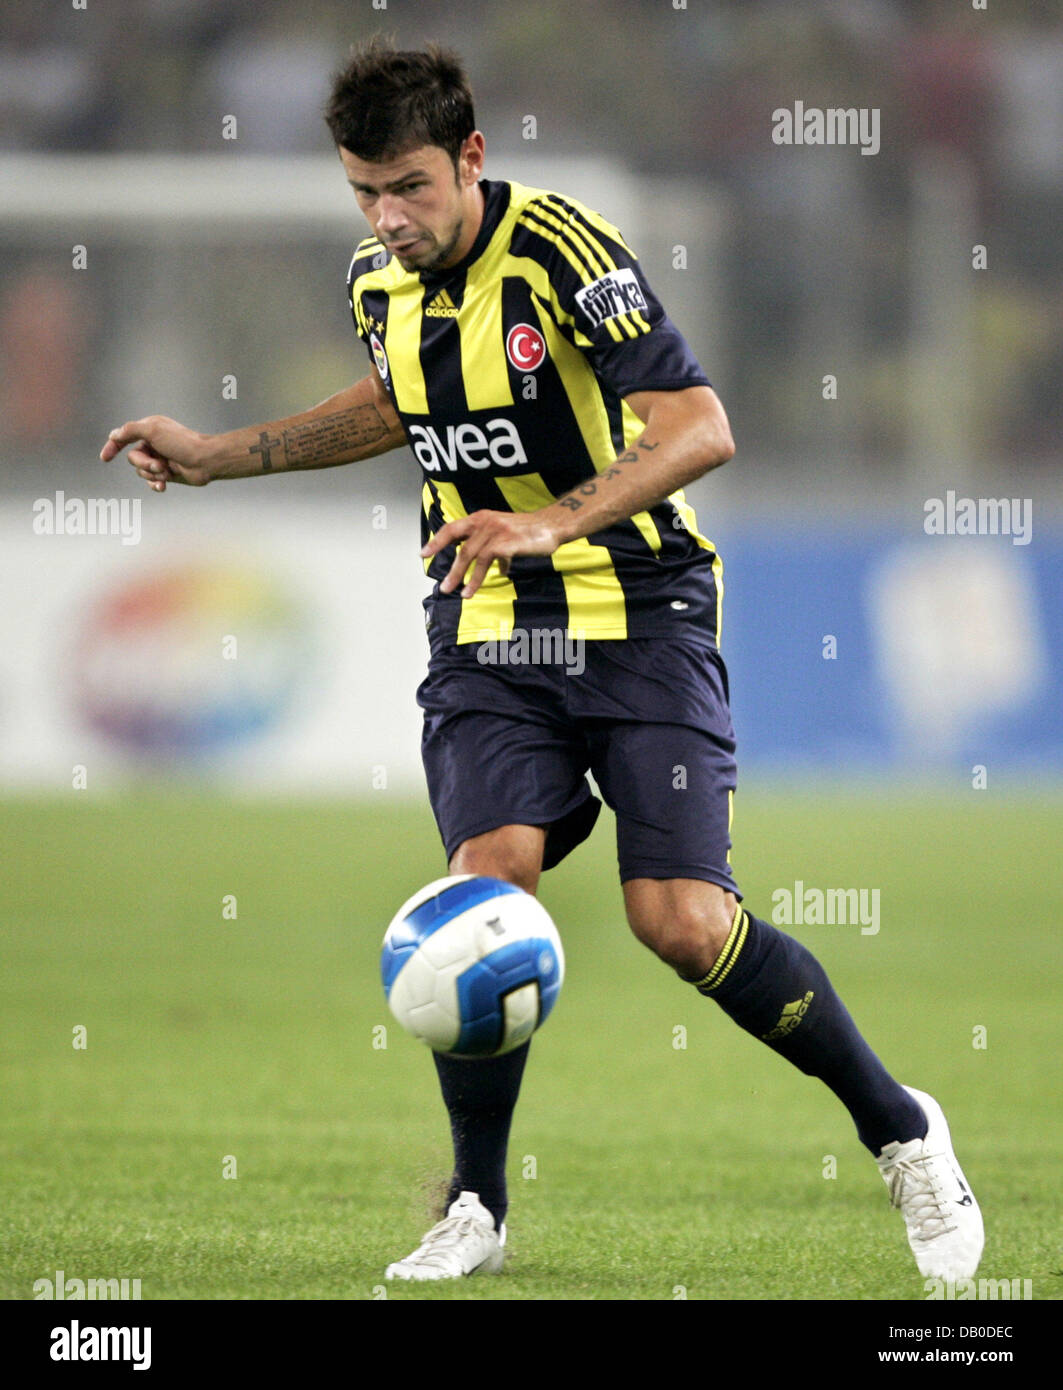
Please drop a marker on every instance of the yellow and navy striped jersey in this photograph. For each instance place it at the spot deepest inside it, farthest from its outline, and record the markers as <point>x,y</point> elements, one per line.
<point>509,372</point>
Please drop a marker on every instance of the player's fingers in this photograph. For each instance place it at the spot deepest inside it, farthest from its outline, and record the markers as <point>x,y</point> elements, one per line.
<point>120,437</point>
<point>434,545</point>
<point>156,475</point>
<point>456,574</point>
<point>153,472</point>
<point>467,552</point>
<point>151,468</point>
<point>479,574</point>
<point>446,535</point>
<point>157,481</point>
<point>478,555</point>
<point>112,446</point>
<point>144,456</point>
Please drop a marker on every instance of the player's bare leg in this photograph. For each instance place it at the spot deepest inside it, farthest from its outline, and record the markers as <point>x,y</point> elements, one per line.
<point>684,921</point>
<point>775,989</point>
<point>480,1096</point>
<point>512,852</point>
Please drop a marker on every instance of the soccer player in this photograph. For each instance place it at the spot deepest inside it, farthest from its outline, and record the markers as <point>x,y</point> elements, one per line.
<point>557,414</point>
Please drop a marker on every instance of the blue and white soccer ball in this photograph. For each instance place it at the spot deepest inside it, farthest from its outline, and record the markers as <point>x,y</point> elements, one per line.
<point>472,965</point>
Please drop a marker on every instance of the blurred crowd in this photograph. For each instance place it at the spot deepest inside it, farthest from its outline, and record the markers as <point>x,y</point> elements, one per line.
<point>814,264</point>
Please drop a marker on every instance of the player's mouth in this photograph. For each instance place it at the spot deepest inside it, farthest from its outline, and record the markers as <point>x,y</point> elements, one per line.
<point>403,248</point>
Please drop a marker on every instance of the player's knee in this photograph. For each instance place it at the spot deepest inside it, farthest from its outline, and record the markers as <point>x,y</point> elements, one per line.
<point>687,936</point>
<point>515,859</point>
<point>506,867</point>
<point>683,942</point>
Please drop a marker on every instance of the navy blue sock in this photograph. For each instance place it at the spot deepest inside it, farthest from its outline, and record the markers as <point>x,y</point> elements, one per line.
<point>480,1096</point>
<point>776,989</point>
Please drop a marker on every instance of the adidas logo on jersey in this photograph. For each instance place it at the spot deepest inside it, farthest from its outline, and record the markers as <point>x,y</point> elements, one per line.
<point>441,307</point>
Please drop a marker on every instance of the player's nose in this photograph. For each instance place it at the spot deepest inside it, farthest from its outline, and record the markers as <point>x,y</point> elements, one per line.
<point>392,222</point>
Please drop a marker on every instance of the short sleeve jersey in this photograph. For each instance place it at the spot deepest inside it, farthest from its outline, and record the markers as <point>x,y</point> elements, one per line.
<point>509,372</point>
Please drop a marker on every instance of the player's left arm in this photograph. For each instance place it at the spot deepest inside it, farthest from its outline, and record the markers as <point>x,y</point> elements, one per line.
<point>687,434</point>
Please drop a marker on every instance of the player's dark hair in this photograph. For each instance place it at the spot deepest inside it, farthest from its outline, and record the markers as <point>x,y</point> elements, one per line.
<point>386,102</point>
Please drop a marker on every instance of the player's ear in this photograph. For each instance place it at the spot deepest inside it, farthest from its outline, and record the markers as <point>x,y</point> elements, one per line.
<point>471,158</point>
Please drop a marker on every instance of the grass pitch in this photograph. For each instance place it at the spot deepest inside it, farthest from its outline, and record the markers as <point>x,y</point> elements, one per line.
<point>658,1151</point>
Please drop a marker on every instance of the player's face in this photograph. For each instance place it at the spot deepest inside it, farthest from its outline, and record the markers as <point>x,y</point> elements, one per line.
<point>423,210</point>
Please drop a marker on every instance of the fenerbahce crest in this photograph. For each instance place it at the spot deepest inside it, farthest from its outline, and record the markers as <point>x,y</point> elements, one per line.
<point>380,357</point>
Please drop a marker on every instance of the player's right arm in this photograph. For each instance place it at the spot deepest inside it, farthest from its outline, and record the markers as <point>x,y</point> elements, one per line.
<point>357,423</point>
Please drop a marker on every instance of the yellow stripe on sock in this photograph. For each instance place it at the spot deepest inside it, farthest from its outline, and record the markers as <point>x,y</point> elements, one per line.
<point>731,949</point>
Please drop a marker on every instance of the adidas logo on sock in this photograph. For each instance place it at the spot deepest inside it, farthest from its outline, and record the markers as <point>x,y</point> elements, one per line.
<point>790,1017</point>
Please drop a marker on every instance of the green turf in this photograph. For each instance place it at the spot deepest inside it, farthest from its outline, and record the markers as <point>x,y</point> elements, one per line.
<point>638,1169</point>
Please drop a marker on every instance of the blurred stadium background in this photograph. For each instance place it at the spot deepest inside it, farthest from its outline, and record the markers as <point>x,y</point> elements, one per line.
<point>265,639</point>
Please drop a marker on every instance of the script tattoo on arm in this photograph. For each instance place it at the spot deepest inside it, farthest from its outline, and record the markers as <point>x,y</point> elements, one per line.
<point>588,489</point>
<point>328,439</point>
<point>332,435</point>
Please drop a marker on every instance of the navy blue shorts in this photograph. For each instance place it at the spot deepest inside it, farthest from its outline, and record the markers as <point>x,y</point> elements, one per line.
<point>509,742</point>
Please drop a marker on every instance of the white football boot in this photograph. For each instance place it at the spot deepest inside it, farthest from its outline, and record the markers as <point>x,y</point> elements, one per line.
<point>464,1242</point>
<point>927,1185</point>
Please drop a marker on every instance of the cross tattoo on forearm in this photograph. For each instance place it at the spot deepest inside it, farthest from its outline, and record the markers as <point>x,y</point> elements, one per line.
<point>263,447</point>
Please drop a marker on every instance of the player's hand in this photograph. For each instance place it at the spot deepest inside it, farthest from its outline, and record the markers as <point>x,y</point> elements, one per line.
<point>488,536</point>
<point>163,451</point>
